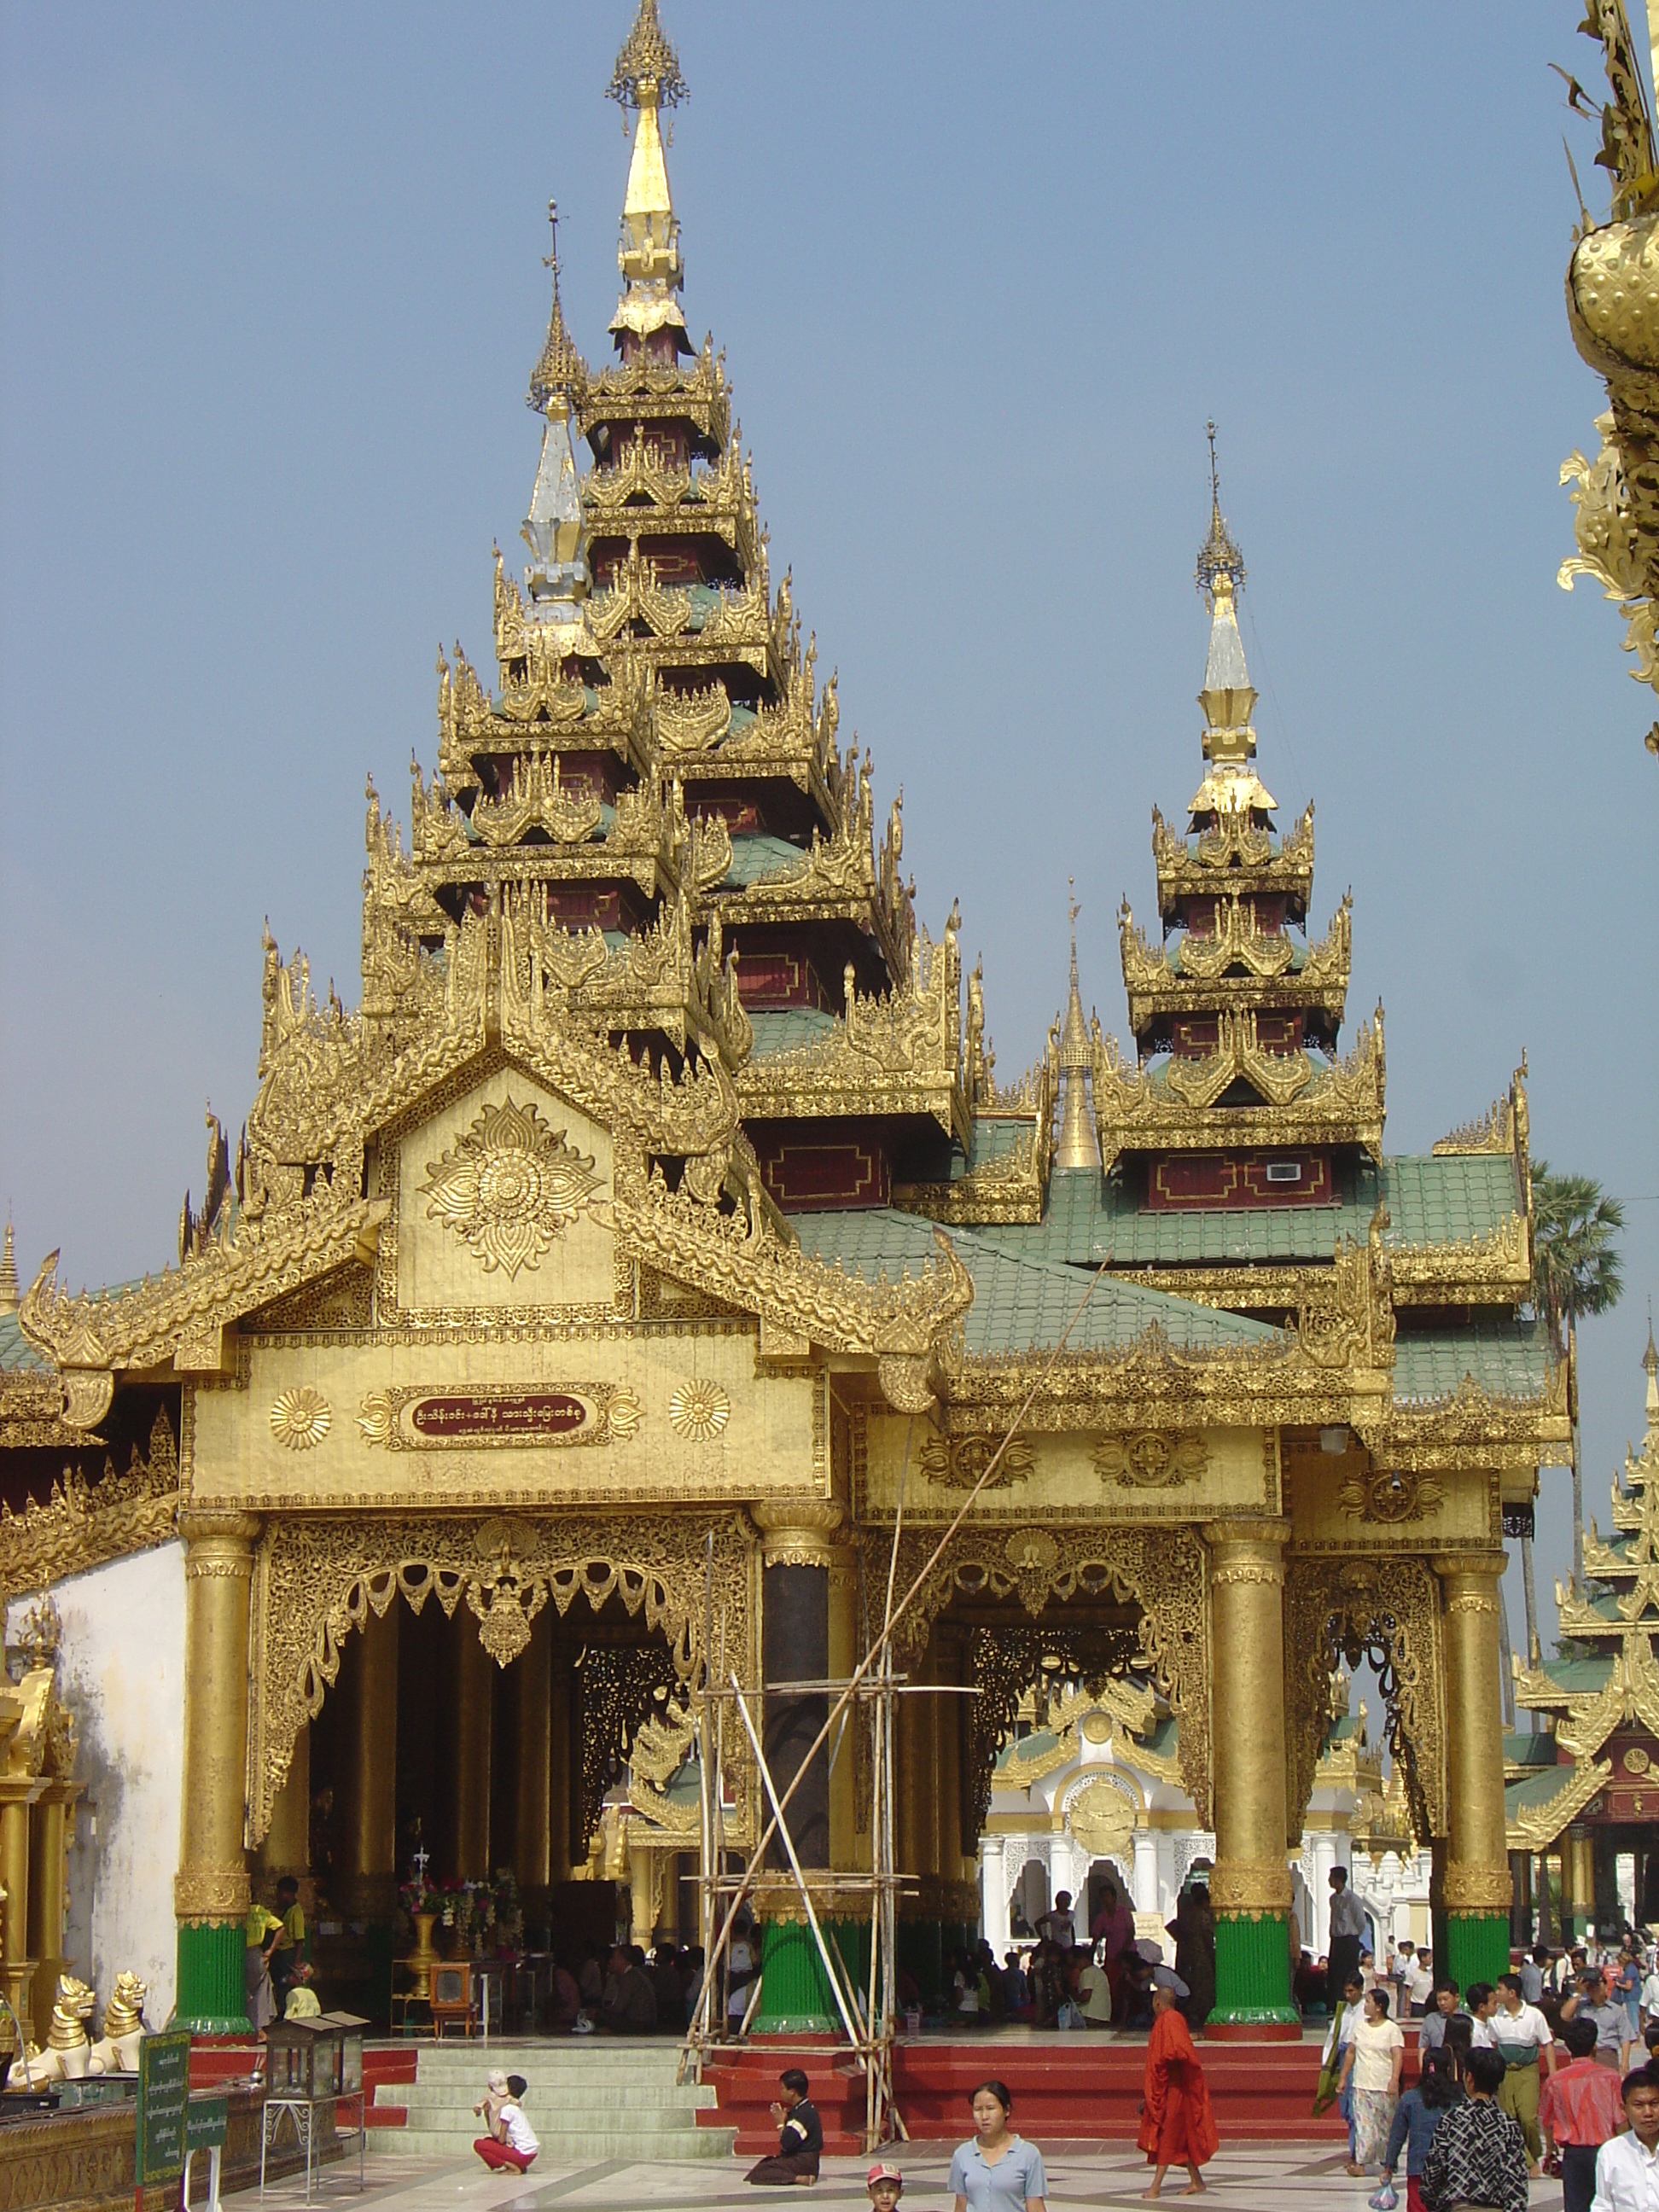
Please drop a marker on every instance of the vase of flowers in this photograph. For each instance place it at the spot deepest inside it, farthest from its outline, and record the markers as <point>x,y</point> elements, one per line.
<point>420,1901</point>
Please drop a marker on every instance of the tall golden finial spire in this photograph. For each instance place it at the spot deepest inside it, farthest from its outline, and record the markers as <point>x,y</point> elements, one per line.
<point>557,577</point>
<point>560,371</point>
<point>647,78</point>
<point>1078,1145</point>
<point>10,1299</point>
<point>1227,698</point>
<point>1650,1357</point>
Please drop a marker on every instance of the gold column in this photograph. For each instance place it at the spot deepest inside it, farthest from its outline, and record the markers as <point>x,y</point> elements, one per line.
<point>475,1699</point>
<point>1250,1887</point>
<point>368,1762</point>
<point>1580,1870</point>
<point>48,1893</point>
<point>1477,1876</point>
<point>559,1784</point>
<point>210,1890</point>
<point>533,1854</point>
<point>17,1794</point>
<point>849,1844</point>
<point>287,1845</point>
<point>212,1882</point>
<point>645,1873</point>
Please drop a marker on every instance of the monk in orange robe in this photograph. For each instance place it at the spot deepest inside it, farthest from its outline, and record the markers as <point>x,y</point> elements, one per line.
<point>1177,2127</point>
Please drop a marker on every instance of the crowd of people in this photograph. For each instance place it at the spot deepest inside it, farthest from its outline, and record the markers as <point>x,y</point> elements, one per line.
<point>1553,2067</point>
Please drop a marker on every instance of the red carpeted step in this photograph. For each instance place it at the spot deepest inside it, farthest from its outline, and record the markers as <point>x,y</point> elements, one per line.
<point>1075,2086</point>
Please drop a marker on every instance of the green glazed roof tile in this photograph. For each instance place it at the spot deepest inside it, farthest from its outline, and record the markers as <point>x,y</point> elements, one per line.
<point>1022,1305</point>
<point>1507,1358</point>
<point>17,1354</point>
<point>781,1029</point>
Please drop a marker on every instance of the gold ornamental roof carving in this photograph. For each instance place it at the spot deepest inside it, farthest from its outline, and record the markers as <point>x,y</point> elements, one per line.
<point>85,1524</point>
<point>1240,966</point>
<point>892,1052</point>
<point>647,391</point>
<point>1177,1106</point>
<point>1230,853</point>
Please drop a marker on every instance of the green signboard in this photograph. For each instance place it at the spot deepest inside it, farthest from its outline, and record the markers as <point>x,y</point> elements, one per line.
<point>206,2120</point>
<point>163,2101</point>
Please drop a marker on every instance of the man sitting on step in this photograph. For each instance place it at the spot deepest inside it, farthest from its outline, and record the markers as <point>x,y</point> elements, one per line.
<point>801,2137</point>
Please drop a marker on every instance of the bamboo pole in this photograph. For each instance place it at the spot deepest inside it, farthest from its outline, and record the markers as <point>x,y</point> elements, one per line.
<point>916,1587</point>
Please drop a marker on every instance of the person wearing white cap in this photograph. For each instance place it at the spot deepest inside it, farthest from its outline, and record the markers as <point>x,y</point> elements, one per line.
<point>1177,2127</point>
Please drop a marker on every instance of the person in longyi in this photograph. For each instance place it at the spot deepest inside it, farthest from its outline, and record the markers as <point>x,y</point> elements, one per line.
<point>1177,2127</point>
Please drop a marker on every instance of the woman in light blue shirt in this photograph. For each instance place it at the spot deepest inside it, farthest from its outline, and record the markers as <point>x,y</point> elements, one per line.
<point>997,2171</point>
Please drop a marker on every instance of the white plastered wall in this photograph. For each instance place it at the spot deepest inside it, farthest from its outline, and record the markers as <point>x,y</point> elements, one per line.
<point>121,1672</point>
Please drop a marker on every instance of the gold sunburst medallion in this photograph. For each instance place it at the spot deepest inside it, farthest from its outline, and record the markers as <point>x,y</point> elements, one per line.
<point>509,1187</point>
<point>301,1418</point>
<point>699,1411</point>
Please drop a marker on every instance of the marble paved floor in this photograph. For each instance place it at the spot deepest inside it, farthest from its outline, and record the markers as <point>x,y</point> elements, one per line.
<point>1290,2178</point>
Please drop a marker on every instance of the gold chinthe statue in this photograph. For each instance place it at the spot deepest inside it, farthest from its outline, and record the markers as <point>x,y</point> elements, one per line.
<point>116,2051</point>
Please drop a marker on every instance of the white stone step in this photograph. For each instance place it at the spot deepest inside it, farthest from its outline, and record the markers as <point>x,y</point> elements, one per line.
<point>431,2109</point>
<point>563,2149</point>
<point>592,2097</point>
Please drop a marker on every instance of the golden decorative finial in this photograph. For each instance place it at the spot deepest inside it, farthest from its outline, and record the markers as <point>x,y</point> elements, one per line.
<point>647,79</point>
<point>9,1298</point>
<point>1650,1360</point>
<point>1218,557</point>
<point>1078,1145</point>
<point>1227,698</point>
<point>561,369</point>
<point>647,71</point>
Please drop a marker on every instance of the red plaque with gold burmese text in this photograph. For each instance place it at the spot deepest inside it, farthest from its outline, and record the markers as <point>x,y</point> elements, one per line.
<point>417,1419</point>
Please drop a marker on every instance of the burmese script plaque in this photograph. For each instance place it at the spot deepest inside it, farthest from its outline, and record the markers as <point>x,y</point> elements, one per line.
<point>421,1420</point>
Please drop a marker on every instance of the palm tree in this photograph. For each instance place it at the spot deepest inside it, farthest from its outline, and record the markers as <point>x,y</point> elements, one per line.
<point>1576,1269</point>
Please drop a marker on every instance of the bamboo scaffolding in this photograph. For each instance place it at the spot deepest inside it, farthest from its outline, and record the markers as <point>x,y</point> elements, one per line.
<point>871,2046</point>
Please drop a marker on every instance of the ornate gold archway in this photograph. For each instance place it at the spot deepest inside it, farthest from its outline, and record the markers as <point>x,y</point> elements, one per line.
<point>317,1578</point>
<point>1387,1610</point>
<point>1162,1570</point>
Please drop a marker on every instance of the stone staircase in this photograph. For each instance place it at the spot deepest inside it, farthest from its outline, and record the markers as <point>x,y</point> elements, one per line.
<point>587,2098</point>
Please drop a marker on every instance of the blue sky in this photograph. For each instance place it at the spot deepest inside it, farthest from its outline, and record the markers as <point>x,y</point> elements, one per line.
<point>270,286</point>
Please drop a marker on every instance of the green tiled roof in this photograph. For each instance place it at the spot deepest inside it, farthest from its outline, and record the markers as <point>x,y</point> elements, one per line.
<point>16,1352</point>
<point>1430,1201</point>
<point>1507,1358</point>
<point>1539,1749</point>
<point>1021,1304</point>
<point>1164,1738</point>
<point>1532,1789</point>
<point>755,857</point>
<point>1448,1197</point>
<point>1578,1678</point>
<point>782,1028</point>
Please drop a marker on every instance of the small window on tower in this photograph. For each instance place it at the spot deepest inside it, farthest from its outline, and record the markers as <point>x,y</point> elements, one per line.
<point>1283,1170</point>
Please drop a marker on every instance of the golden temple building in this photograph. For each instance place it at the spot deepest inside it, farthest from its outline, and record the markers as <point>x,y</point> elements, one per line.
<point>655,1251</point>
<point>1585,1787</point>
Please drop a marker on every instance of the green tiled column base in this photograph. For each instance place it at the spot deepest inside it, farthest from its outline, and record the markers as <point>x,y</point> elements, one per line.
<point>796,1998</point>
<point>213,1979</point>
<point>1477,1947</point>
<point>921,1949</point>
<point>1253,1972</point>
